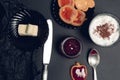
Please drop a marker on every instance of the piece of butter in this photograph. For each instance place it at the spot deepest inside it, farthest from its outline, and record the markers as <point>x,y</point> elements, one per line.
<point>28,30</point>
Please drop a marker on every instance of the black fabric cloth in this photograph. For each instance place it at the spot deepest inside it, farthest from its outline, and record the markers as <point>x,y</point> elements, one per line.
<point>16,64</point>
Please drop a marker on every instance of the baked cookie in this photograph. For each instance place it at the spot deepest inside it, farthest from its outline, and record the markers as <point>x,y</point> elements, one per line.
<point>68,13</point>
<point>81,5</point>
<point>91,3</point>
<point>80,18</point>
<point>62,3</point>
<point>84,5</point>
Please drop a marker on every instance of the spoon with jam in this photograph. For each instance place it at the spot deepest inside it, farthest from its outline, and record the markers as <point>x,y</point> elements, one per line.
<point>94,60</point>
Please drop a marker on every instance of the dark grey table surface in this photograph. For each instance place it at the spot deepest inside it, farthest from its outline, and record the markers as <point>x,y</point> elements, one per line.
<point>59,67</point>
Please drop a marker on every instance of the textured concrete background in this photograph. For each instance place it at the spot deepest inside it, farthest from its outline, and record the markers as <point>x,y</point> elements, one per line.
<point>59,68</point>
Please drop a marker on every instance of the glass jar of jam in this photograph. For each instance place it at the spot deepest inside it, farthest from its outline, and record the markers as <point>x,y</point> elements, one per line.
<point>71,47</point>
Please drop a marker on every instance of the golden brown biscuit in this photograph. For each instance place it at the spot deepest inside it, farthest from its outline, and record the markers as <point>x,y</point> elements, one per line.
<point>81,5</point>
<point>91,3</point>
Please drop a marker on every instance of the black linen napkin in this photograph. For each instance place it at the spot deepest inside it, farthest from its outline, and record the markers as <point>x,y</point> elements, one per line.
<point>16,64</point>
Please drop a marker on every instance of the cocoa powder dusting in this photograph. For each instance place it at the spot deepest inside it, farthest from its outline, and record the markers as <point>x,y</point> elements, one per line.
<point>105,30</point>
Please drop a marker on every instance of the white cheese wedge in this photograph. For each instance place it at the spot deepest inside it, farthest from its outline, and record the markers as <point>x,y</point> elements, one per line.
<point>28,30</point>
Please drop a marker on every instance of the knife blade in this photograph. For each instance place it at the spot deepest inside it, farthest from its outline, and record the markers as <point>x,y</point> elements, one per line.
<point>47,50</point>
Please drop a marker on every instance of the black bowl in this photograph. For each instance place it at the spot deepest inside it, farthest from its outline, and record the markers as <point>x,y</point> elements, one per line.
<point>55,14</point>
<point>28,17</point>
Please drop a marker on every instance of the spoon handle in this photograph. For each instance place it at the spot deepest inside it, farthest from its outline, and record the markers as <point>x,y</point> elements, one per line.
<point>95,74</point>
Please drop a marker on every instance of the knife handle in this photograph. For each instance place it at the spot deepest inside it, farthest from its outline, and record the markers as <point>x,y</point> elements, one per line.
<point>45,72</point>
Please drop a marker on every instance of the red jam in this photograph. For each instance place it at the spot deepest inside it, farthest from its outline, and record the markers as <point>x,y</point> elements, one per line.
<point>93,51</point>
<point>71,47</point>
<point>67,13</point>
<point>66,2</point>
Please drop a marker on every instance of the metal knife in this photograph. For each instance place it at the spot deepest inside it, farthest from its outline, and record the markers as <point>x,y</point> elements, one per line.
<point>47,50</point>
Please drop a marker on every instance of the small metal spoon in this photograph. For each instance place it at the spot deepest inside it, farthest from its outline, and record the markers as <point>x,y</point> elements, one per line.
<point>94,60</point>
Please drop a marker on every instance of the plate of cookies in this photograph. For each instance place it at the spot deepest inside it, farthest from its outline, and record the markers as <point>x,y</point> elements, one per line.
<point>72,13</point>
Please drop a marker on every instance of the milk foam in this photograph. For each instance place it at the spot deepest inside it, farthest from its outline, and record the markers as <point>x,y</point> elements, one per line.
<point>101,20</point>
